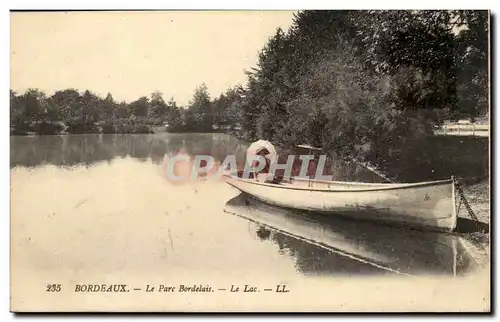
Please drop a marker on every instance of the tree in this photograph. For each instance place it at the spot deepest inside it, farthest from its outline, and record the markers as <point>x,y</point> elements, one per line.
<point>90,112</point>
<point>33,104</point>
<point>174,117</point>
<point>353,82</point>
<point>315,32</point>
<point>15,108</point>
<point>140,107</point>
<point>159,109</point>
<point>109,108</point>
<point>346,109</point>
<point>472,61</point>
<point>124,110</point>
<point>68,103</point>
<point>232,113</point>
<point>53,112</point>
<point>414,45</point>
<point>219,106</point>
<point>199,115</point>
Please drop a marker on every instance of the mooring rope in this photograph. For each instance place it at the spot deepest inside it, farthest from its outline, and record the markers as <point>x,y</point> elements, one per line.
<point>466,203</point>
<point>374,170</point>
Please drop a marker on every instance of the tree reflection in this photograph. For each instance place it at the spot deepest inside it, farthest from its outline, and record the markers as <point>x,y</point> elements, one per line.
<point>87,149</point>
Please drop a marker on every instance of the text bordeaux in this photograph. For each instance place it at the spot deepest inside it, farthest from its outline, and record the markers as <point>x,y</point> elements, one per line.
<point>101,288</point>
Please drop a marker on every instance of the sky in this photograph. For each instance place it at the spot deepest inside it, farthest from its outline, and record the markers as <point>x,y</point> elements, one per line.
<point>132,54</point>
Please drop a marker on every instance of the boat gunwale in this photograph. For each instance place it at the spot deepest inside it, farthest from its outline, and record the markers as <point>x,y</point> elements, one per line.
<point>348,182</point>
<point>379,187</point>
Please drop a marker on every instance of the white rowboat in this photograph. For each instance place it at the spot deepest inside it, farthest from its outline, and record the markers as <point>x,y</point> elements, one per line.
<point>428,205</point>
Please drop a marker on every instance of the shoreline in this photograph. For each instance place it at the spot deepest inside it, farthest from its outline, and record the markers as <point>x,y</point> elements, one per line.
<point>478,196</point>
<point>152,130</point>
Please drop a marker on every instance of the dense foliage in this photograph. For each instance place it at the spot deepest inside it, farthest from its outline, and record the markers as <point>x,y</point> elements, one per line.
<point>365,84</point>
<point>368,84</point>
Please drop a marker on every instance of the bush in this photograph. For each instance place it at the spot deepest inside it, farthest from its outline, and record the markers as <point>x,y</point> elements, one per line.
<point>81,127</point>
<point>142,129</point>
<point>108,128</point>
<point>21,128</point>
<point>48,128</point>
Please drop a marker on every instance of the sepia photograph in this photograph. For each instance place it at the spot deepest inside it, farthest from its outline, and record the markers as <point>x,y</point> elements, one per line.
<point>250,161</point>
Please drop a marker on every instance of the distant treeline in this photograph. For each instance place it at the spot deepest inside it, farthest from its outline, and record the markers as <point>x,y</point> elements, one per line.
<point>71,111</point>
<point>362,84</point>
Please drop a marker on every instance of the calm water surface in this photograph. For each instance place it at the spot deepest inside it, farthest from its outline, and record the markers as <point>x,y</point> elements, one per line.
<point>102,203</point>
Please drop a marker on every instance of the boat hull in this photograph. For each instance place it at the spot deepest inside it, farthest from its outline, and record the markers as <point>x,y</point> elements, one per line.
<point>429,205</point>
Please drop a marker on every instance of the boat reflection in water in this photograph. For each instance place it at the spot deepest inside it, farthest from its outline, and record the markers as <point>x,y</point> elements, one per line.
<point>326,245</point>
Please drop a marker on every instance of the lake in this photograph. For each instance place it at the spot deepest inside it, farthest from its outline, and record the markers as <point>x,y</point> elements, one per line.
<point>101,205</point>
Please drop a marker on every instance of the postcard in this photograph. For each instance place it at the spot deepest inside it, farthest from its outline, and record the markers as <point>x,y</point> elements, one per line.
<point>250,161</point>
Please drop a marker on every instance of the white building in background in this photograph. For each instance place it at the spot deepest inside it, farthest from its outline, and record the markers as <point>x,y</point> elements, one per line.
<point>465,128</point>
